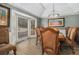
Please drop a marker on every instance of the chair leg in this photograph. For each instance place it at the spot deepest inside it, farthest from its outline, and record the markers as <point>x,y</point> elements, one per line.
<point>42,48</point>
<point>14,50</point>
<point>73,51</point>
<point>37,41</point>
<point>58,51</point>
<point>42,52</point>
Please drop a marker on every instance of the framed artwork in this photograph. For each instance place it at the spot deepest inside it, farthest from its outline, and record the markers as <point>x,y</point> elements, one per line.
<point>4,15</point>
<point>56,22</point>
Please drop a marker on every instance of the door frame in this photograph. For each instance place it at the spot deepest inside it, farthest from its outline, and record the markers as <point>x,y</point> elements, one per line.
<point>29,27</point>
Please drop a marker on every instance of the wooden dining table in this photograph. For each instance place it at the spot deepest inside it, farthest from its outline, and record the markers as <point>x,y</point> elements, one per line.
<point>61,37</point>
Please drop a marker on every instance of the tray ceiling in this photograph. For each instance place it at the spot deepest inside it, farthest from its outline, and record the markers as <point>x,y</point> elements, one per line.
<point>44,9</point>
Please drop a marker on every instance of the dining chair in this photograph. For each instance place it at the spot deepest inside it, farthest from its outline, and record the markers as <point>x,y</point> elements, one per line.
<point>5,46</point>
<point>38,33</point>
<point>50,42</point>
<point>68,31</point>
<point>70,38</point>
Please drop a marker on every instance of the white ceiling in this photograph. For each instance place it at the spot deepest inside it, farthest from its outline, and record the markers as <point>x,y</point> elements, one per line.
<point>33,8</point>
<point>44,9</point>
<point>61,8</point>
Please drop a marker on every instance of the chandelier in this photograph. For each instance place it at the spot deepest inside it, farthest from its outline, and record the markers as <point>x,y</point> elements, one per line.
<point>53,13</point>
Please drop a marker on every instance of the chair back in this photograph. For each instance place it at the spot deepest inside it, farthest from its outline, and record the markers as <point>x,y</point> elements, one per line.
<point>38,31</point>
<point>68,31</point>
<point>72,34</point>
<point>50,41</point>
<point>56,29</point>
<point>4,35</point>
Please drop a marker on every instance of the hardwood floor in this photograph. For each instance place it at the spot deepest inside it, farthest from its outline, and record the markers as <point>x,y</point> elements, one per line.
<point>28,47</point>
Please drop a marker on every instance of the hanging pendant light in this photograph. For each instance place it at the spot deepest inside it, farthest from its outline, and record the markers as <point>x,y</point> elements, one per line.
<point>53,13</point>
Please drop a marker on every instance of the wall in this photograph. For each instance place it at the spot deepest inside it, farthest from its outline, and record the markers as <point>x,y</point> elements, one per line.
<point>13,22</point>
<point>72,20</point>
<point>39,22</point>
<point>44,22</point>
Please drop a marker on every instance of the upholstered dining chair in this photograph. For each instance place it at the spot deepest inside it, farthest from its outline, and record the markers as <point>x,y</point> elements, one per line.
<point>56,29</point>
<point>71,37</point>
<point>38,33</point>
<point>4,41</point>
<point>50,43</point>
<point>68,31</point>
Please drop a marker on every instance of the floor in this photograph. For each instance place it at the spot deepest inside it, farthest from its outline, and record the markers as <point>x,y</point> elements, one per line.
<point>28,47</point>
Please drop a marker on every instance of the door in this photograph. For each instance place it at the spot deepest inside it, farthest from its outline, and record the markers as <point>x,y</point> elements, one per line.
<point>22,28</point>
<point>32,26</point>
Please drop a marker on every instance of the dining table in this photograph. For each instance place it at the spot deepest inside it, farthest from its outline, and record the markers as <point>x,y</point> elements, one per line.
<point>62,35</point>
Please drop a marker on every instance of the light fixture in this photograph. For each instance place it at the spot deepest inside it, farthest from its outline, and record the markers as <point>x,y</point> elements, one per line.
<point>53,13</point>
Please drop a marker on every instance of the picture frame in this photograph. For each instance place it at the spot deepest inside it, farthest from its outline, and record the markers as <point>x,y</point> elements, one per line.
<point>4,16</point>
<point>56,22</point>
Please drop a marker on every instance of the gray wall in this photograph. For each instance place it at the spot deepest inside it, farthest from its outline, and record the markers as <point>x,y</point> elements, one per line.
<point>44,22</point>
<point>72,21</point>
<point>39,22</point>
